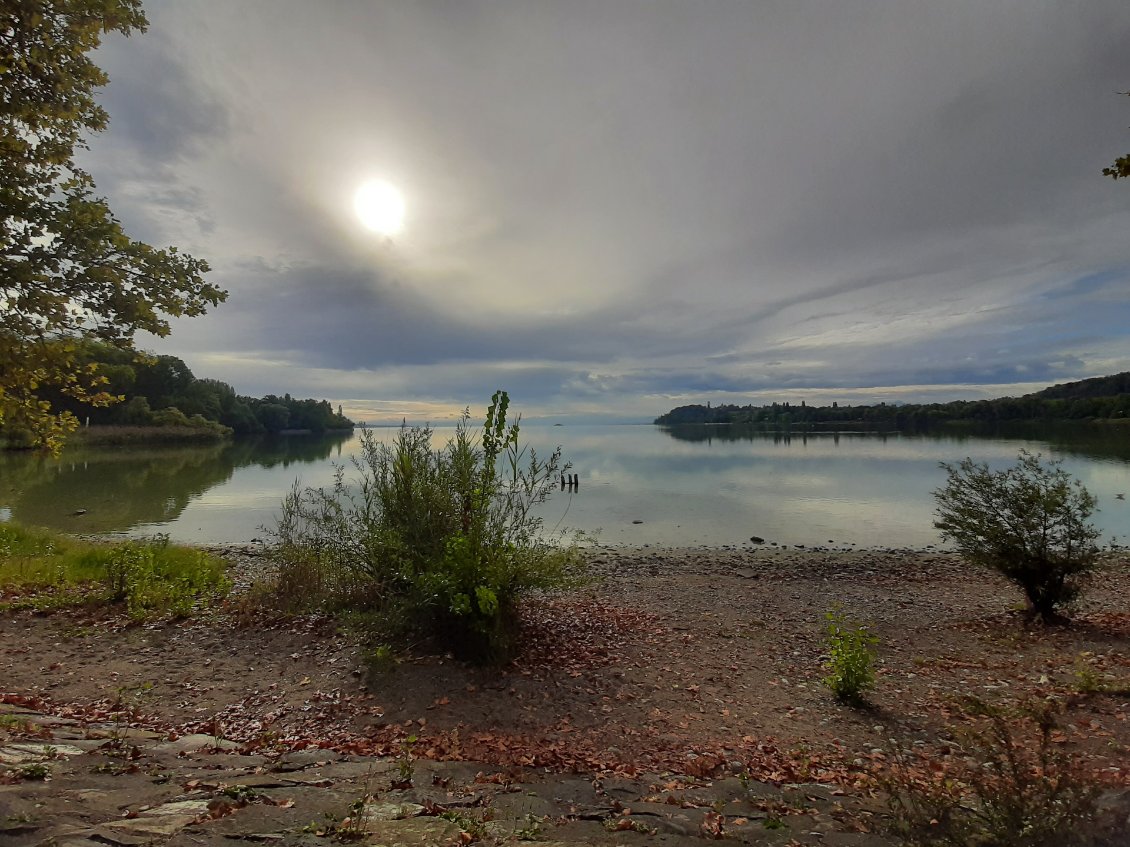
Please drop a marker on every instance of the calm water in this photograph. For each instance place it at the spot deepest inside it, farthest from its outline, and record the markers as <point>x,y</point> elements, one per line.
<point>694,486</point>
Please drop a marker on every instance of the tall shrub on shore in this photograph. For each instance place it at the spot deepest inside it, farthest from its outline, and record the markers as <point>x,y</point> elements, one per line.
<point>443,538</point>
<point>1030,522</point>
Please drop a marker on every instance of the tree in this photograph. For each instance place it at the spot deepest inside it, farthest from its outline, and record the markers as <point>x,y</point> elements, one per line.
<point>1121,167</point>
<point>68,271</point>
<point>1030,522</point>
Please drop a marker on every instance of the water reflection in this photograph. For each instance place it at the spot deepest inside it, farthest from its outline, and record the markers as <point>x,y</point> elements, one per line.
<point>104,490</point>
<point>637,484</point>
<point>1096,440</point>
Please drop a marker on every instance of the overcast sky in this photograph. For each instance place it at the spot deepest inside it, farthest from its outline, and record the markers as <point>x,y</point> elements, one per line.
<point>620,206</point>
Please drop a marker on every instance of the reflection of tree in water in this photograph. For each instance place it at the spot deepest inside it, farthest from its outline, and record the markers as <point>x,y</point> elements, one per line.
<point>122,488</point>
<point>1099,440</point>
<point>271,451</point>
<point>764,432</point>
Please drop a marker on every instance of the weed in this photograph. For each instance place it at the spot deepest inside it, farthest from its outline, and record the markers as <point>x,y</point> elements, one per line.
<point>851,662</point>
<point>125,710</point>
<point>475,828</point>
<point>381,659</point>
<point>772,821</point>
<point>114,769</point>
<point>18,726</point>
<point>1014,786</point>
<point>533,830</point>
<point>405,766</point>
<point>1088,680</point>
<point>241,794</point>
<point>626,824</point>
<point>34,771</point>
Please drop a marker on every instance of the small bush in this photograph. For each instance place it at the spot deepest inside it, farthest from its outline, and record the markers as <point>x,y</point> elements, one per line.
<point>851,662</point>
<point>444,539</point>
<point>1013,786</point>
<point>1030,522</point>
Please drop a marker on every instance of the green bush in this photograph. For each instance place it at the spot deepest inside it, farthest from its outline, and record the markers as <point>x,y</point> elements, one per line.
<point>1030,522</point>
<point>851,661</point>
<point>445,540</point>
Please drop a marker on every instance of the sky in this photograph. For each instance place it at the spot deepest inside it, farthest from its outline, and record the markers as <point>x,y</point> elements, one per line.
<point>615,207</point>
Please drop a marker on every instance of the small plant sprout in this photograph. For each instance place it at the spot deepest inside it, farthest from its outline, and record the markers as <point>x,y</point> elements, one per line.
<point>405,765</point>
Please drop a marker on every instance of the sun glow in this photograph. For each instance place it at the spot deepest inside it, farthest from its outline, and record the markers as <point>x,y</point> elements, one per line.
<point>380,207</point>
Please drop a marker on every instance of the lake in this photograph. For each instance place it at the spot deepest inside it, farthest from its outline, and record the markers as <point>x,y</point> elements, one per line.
<point>639,484</point>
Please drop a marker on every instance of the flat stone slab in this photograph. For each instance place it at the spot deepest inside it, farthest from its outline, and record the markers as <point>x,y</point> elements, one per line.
<point>379,812</point>
<point>198,741</point>
<point>24,753</point>
<point>414,832</point>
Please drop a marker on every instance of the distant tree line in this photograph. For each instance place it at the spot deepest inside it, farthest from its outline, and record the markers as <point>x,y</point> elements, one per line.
<point>163,391</point>
<point>1101,397</point>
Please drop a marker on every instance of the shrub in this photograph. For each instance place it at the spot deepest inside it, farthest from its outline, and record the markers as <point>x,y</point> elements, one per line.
<point>851,662</point>
<point>444,539</point>
<point>1030,522</point>
<point>1011,784</point>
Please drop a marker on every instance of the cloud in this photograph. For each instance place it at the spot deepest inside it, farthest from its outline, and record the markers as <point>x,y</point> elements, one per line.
<point>616,204</point>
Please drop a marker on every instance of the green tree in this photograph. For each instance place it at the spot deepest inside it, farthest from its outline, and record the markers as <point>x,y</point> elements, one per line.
<point>67,269</point>
<point>1030,522</point>
<point>1121,167</point>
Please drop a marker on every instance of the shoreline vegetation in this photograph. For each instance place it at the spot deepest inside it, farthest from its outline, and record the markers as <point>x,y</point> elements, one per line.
<point>157,399</point>
<point>1100,399</point>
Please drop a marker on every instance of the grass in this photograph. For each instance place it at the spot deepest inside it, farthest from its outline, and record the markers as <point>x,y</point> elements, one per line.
<point>45,571</point>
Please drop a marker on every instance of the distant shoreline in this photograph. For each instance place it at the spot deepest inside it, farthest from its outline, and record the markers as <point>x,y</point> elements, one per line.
<point>118,435</point>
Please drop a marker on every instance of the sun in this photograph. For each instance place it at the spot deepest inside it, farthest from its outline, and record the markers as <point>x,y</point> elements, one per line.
<point>380,207</point>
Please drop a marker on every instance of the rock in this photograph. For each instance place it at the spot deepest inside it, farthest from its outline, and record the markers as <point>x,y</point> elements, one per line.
<point>637,521</point>
<point>757,539</point>
<point>390,811</point>
<point>19,754</point>
<point>199,741</point>
<point>413,832</point>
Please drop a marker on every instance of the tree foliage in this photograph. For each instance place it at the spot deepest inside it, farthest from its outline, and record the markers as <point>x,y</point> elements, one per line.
<point>1121,167</point>
<point>67,268</point>
<point>1099,398</point>
<point>162,390</point>
<point>1030,522</point>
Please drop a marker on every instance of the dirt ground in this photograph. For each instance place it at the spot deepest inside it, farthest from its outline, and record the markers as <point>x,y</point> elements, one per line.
<point>674,660</point>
